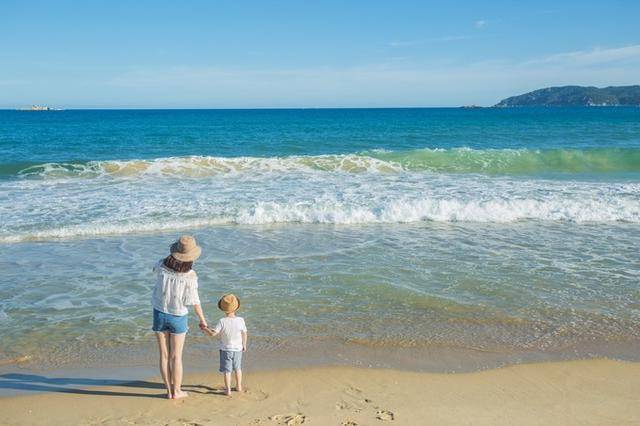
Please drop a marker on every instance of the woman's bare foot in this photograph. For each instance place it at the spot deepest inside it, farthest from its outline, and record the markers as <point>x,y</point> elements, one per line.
<point>180,394</point>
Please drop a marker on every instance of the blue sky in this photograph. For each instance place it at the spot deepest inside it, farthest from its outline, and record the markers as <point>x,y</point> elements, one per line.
<point>240,54</point>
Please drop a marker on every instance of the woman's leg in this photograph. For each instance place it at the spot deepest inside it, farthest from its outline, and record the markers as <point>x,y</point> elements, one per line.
<point>163,348</point>
<point>177,344</point>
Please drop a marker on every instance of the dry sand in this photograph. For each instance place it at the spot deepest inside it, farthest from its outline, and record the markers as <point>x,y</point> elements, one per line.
<point>598,392</point>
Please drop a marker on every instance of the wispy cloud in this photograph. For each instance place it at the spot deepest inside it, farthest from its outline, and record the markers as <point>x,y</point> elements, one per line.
<point>480,24</point>
<point>380,84</point>
<point>444,39</point>
<point>594,56</point>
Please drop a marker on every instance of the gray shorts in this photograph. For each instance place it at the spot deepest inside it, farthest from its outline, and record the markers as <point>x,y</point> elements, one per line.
<point>230,361</point>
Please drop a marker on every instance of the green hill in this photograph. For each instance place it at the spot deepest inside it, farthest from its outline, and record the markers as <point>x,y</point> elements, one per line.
<point>576,96</point>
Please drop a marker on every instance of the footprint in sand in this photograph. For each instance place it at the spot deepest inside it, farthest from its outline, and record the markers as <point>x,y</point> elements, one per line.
<point>187,422</point>
<point>344,405</point>
<point>353,391</point>
<point>385,415</point>
<point>109,421</point>
<point>349,423</point>
<point>289,419</point>
<point>255,395</point>
<point>357,398</point>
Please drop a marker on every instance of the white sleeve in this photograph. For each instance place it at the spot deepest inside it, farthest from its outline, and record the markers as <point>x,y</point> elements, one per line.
<point>191,296</point>
<point>218,327</point>
<point>243,326</point>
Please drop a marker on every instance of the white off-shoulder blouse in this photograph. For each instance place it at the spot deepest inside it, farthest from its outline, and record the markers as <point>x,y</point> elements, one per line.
<point>174,291</point>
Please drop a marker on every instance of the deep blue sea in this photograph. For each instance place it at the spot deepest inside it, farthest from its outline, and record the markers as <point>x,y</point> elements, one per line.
<point>98,135</point>
<point>509,232</point>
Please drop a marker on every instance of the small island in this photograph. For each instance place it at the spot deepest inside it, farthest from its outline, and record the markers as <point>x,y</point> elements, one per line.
<point>566,96</point>
<point>39,108</point>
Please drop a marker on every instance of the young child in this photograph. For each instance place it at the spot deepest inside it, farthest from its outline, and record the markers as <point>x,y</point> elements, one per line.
<point>233,340</point>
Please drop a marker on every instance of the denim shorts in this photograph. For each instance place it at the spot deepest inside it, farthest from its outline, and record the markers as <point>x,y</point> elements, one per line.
<point>174,324</point>
<point>230,361</point>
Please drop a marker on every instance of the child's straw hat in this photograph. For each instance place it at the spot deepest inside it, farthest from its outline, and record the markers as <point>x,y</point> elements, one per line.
<point>229,303</point>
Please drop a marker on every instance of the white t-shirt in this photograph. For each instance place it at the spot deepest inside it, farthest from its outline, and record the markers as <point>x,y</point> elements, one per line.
<point>230,329</point>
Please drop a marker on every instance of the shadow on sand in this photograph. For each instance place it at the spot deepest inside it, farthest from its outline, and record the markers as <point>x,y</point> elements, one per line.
<point>35,383</point>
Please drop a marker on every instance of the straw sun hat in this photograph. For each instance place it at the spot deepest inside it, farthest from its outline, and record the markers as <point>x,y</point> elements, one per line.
<point>229,303</point>
<point>185,249</point>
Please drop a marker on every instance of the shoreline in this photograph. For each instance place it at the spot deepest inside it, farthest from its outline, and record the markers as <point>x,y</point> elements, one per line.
<point>122,364</point>
<point>140,361</point>
<point>597,391</point>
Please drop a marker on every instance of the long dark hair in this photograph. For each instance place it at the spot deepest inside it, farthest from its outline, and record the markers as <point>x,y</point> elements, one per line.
<point>176,265</point>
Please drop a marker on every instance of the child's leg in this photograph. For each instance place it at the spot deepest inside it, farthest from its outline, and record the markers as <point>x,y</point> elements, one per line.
<point>238,380</point>
<point>237,368</point>
<point>227,383</point>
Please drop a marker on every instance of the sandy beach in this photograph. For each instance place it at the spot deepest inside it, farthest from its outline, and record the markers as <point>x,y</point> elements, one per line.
<point>598,392</point>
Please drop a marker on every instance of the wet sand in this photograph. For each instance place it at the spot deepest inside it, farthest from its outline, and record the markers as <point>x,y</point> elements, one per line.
<point>574,392</point>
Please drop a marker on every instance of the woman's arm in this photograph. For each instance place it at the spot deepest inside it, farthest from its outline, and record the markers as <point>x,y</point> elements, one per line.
<point>203,321</point>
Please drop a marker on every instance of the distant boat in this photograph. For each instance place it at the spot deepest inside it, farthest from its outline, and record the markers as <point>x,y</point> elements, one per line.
<point>39,108</point>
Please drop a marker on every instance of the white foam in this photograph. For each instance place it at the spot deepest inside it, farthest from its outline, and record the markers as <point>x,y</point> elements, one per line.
<point>97,230</point>
<point>68,208</point>
<point>202,166</point>
<point>394,211</point>
<point>454,160</point>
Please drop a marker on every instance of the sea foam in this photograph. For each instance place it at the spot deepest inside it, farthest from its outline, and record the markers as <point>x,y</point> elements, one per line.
<point>455,160</point>
<point>397,210</point>
<point>51,201</point>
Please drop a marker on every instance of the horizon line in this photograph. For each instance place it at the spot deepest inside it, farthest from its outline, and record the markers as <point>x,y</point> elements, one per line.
<point>230,108</point>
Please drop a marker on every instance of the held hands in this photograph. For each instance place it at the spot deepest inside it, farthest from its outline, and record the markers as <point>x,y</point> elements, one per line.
<point>205,328</point>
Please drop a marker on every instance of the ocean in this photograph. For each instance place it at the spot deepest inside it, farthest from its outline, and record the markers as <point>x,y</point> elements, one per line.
<point>437,238</point>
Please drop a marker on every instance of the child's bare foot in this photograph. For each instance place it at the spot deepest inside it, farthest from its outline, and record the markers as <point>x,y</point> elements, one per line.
<point>239,388</point>
<point>227,392</point>
<point>169,396</point>
<point>180,394</point>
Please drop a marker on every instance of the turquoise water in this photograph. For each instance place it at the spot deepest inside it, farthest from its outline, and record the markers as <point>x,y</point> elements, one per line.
<point>502,231</point>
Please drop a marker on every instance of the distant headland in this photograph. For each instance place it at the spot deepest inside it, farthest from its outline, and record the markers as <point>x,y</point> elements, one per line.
<point>576,96</point>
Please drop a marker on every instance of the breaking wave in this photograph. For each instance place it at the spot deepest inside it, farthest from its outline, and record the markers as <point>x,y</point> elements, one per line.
<point>457,160</point>
<point>394,211</point>
<point>68,200</point>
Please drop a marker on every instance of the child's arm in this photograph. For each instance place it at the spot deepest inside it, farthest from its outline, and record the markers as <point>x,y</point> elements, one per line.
<point>213,331</point>
<point>210,331</point>
<point>244,340</point>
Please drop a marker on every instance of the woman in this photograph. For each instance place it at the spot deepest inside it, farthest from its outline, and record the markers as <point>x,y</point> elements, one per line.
<point>176,288</point>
